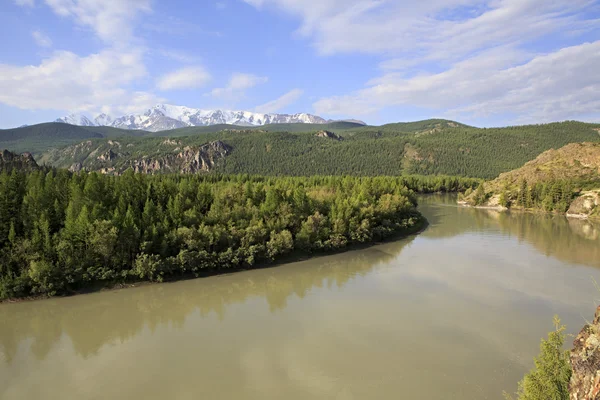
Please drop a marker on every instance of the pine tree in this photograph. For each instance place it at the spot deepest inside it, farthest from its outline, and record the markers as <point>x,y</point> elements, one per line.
<point>549,379</point>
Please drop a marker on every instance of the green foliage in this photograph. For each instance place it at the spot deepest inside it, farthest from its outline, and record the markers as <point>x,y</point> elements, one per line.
<point>430,147</point>
<point>62,232</point>
<point>479,197</point>
<point>549,379</point>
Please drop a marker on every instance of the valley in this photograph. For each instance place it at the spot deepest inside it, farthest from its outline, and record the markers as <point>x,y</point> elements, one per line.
<point>88,208</point>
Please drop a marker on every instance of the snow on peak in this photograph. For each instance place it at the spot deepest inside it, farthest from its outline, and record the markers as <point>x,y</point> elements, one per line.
<point>166,116</point>
<point>76,119</point>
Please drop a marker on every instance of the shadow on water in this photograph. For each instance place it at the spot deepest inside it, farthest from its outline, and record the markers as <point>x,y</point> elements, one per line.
<point>93,320</point>
<point>570,240</point>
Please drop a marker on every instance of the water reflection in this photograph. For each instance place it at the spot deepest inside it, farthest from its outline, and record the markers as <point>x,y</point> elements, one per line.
<point>465,302</point>
<point>570,240</point>
<point>91,321</point>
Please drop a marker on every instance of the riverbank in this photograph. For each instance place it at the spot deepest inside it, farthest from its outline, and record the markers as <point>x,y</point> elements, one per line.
<point>294,256</point>
<point>499,208</point>
<point>295,331</point>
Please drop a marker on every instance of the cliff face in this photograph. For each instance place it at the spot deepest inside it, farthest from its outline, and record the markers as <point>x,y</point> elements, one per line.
<point>10,160</point>
<point>585,360</point>
<point>114,158</point>
<point>190,160</point>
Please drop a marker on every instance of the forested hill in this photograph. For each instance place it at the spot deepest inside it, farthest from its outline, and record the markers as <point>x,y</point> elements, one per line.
<point>62,232</point>
<point>41,137</point>
<point>428,147</point>
<point>562,180</point>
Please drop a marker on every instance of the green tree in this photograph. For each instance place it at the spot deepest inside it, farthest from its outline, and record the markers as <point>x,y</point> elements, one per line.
<point>549,379</point>
<point>479,196</point>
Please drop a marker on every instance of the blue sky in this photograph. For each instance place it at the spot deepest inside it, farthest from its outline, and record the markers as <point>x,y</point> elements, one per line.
<point>482,62</point>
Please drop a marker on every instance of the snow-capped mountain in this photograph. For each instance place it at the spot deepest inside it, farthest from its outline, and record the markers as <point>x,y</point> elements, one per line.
<point>76,119</point>
<point>103,120</point>
<point>165,116</point>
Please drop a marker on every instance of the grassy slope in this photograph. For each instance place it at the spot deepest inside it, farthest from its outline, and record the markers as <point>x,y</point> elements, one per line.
<point>576,163</point>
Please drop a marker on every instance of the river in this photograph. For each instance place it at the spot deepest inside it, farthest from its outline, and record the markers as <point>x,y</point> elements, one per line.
<point>455,312</point>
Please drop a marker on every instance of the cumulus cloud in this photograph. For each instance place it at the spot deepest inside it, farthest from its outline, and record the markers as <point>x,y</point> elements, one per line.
<point>275,105</point>
<point>237,85</point>
<point>111,20</point>
<point>66,81</point>
<point>41,39</point>
<point>462,57</point>
<point>438,29</point>
<point>184,78</point>
<point>558,85</point>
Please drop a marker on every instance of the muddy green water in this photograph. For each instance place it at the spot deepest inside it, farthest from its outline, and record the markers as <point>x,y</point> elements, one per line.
<point>453,313</point>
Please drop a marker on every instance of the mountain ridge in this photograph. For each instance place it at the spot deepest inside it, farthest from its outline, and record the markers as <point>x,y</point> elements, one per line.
<point>166,117</point>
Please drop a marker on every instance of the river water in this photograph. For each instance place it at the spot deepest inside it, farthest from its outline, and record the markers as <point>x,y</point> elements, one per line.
<point>455,312</point>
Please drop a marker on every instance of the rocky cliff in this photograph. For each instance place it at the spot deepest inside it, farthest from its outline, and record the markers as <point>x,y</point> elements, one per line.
<point>10,160</point>
<point>585,360</point>
<point>189,160</point>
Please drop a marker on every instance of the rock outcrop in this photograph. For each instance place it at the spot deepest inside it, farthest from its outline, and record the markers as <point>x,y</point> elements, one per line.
<point>586,205</point>
<point>10,160</point>
<point>113,158</point>
<point>328,135</point>
<point>190,160</point>
<point>585,360</point>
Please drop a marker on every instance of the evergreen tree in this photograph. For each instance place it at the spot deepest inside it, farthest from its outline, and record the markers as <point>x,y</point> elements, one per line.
<point>549,379</point>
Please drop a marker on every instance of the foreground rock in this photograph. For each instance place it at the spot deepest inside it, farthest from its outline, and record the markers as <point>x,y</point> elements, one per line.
<point>585,360</point>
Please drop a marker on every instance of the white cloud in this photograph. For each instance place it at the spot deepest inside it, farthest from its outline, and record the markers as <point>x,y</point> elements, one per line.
<point>41,39</point>
<point>554,86</point>
<point>435,29</point>
<point>275,105</point>
<point>25,3</point>
<point>237,85</point>
<point>66,81</point>
<point>474,47</point>
<point>184,78</point>
<point>111,20</point>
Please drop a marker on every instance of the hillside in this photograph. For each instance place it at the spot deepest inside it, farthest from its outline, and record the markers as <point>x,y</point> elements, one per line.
<point>38,138</point>
<point>563,180</point>
<point>42,137</point>
<point>432,147</point>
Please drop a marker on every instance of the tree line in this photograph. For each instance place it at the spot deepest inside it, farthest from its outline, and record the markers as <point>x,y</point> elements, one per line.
<point>437,149</point>
<point>61,232</point>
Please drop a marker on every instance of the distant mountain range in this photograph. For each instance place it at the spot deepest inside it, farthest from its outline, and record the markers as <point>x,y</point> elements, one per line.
<point>165,116</point>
